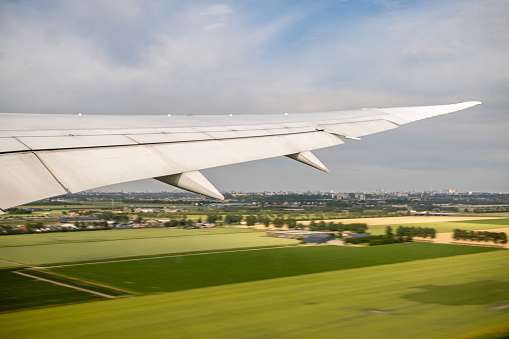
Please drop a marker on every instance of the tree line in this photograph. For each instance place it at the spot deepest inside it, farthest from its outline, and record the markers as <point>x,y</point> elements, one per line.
<point>491,209</point>
<point>410,232</point>
<point>291,223</point>
<point>338,227</point>
<point>373,240</point>
<point>496,237</point>
<point>403,234</point>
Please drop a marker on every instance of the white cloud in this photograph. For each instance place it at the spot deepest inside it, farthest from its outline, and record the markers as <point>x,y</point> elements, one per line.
<point>76,57</point>
<point>217,25</point>
<point>217,9</point>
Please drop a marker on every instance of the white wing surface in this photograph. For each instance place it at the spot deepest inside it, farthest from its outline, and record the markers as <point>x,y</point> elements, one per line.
<point>43,155</point>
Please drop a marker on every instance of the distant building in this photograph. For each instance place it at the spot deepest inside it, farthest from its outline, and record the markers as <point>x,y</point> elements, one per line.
<point>81,219</point>
<point>204,225</point>
<point>289,234</point>
<point>319,238</point>
<point>67,225</point>
<point>297,234</point>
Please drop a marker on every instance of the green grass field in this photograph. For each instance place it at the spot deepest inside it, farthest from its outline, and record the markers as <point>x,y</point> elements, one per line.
<point>449,226</point>
<point>196,271</point>
<point>6,264</point>
<point>77,249</point>
<point>495,222</point>
<point>452,297</point>
<point>19,292</point>
<point>108,235</point>
<point>496,214</point>
<point>417,290</point>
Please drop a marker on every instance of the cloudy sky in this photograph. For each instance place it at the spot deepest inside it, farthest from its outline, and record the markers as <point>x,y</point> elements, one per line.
<point>263,57</point>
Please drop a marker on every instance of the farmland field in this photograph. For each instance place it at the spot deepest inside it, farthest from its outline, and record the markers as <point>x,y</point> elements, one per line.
<point>18,292</point>
<point>6,264</point>
<point>448,226</point>
<point>417,290</point>
<point>195,271</point>
<point>494,222</point>
<point>452,297</point>
<point>107,235</point>
<point>78,248</point>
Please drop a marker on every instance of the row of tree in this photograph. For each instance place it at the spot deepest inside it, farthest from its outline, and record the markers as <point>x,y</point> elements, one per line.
<point>338,227</point>
<point>251,220</point>
<point>179,223</point>
<point>291,223</point>
<point>496,237</point>
<point>233,219</point>
<point>17,210</point>
<point>374,240</point>
<point>410,232</point>
<point>491,209</point>
<point>388,238</point>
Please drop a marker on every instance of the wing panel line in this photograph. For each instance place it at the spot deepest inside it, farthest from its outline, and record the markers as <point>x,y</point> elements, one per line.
<point>45,166</point>
<point>152,143</point>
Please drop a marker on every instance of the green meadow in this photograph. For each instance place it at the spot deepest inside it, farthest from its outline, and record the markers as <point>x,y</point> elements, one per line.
<point>416,290</point>
<point>108,235</point>
<point>89,246</point>
<point>210,269</point>
<point>6,264</point>
<point>449,226</point>
<point>453,297</point>
<point>19,292</point>
<point>494,222</point>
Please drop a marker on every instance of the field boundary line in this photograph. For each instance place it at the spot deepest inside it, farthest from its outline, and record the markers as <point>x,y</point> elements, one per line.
<point>476,244</point>
<point>165,256</point>
<point>15,262</point>
<point>66,285</point>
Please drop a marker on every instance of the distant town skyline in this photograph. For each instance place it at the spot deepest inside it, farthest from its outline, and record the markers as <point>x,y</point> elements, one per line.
<point>450,191</point>
<point>263,57</point>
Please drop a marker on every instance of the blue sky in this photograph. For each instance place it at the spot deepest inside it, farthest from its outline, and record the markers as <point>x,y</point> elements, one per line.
<point>262,57</point>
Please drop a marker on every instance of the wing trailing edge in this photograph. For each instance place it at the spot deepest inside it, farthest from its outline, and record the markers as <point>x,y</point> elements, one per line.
<point>44,155</point>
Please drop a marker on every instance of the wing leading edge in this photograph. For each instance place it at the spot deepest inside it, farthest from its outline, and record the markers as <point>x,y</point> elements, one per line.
<point>43,155</point>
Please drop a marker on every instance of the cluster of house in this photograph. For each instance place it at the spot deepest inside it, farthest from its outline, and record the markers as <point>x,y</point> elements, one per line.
<point>154,209</point>
<point>94,223</point>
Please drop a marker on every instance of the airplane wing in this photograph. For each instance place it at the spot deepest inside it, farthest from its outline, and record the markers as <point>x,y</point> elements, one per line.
<point>44,155</point>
